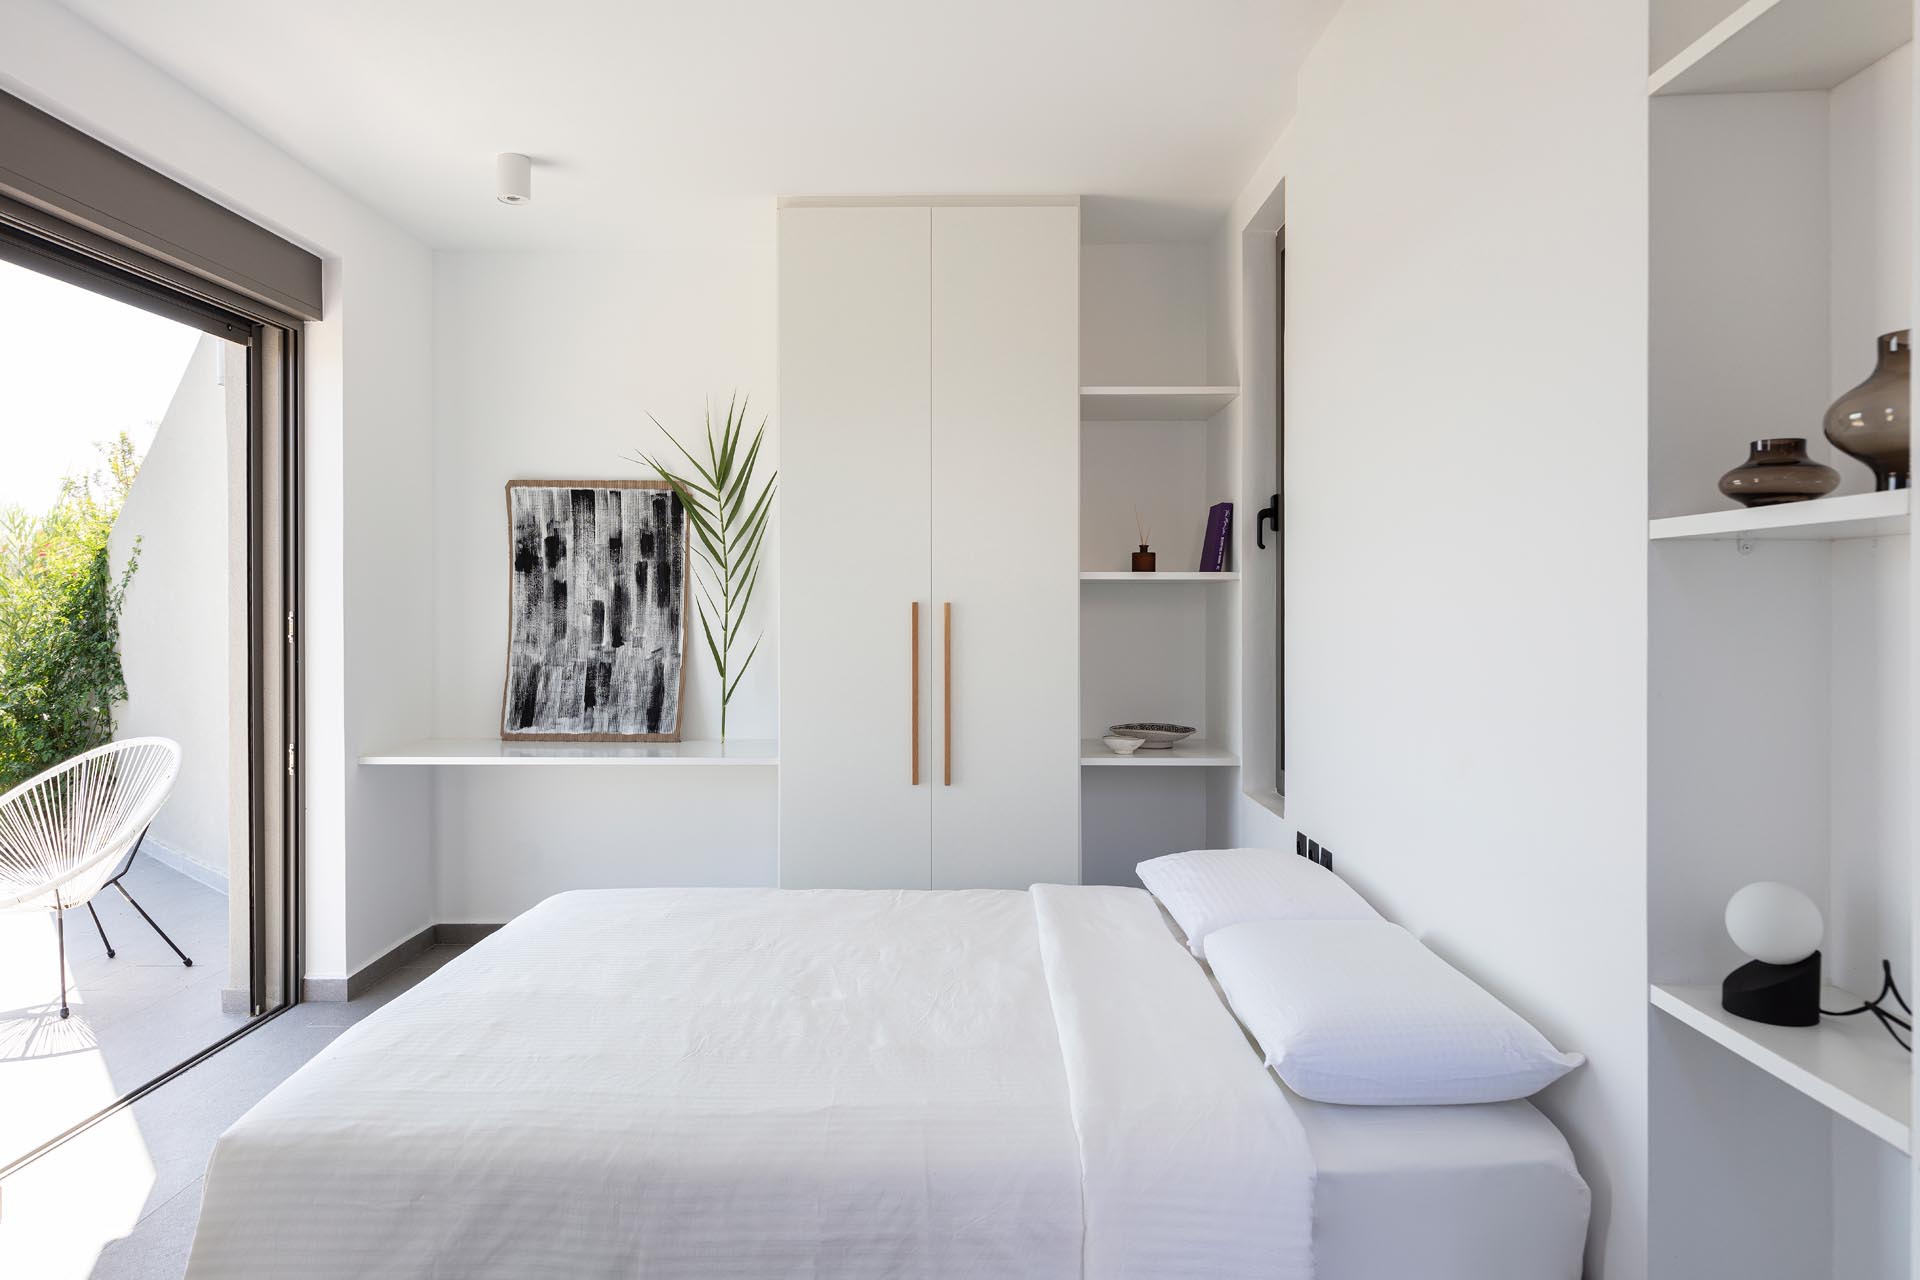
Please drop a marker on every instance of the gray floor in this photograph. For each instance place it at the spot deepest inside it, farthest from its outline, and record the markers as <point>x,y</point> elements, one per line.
<point>134,1015</point>
<point>120,1201</point>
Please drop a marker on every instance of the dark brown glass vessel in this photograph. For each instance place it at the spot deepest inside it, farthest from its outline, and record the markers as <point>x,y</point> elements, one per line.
<point>1870,421</point>
<point>1778,470</point>
<point>1143,560</point>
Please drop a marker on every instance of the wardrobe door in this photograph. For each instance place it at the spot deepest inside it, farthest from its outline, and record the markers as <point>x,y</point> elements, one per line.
<point>1005,503</point>
<point>853,546</point>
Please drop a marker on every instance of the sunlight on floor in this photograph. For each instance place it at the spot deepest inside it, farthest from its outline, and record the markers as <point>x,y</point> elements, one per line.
<point>52,1070</point>
<point>135,1014</point>
<point>47,1232</point>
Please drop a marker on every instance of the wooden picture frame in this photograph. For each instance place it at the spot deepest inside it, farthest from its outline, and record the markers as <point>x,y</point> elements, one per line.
<point>584,665</point>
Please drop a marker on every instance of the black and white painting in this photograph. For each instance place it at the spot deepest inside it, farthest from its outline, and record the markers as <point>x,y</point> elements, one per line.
<point>597,628</point>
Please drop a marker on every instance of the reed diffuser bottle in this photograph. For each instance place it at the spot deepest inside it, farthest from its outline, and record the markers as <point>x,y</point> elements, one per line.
<point>1143,559</point>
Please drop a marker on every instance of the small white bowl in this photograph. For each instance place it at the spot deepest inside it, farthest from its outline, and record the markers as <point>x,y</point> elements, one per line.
<point>1122,746</point>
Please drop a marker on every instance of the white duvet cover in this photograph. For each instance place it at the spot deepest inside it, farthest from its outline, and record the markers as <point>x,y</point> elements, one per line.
<point>747,1083</point>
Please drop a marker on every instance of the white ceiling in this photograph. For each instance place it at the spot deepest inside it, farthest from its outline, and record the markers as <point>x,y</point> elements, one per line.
<point>638,111</point>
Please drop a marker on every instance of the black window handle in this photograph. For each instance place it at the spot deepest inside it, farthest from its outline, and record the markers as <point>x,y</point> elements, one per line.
<point>1269,514</point>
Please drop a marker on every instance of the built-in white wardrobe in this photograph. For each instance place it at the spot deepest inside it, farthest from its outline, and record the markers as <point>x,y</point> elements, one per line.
<point>929,554</point>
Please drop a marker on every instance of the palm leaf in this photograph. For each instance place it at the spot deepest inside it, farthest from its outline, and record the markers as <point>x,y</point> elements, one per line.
<point>745,473</point>
<point>741,674</point>
<point>708,497</point>
<point>704,473</point>
<point>719,663</point>
<point>729,443</point>
<point>729,521</point>
<point>749,545</point>
<point>746,595</point>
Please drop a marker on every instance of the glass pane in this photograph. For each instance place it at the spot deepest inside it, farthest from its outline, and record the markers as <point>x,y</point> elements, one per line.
<point>123,563</point>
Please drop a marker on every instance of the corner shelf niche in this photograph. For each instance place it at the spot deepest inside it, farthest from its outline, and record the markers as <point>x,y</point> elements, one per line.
<point>1850,1066</point>
<point>1159,445</point>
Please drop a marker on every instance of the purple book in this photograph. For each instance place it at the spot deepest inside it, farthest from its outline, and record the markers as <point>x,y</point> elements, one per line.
<point>1213,548</point>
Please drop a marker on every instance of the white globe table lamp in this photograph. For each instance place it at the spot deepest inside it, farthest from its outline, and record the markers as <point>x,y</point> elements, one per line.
<point>1781,929</point>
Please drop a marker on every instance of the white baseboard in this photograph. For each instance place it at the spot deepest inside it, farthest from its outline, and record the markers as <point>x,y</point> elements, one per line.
<point>174,860</point>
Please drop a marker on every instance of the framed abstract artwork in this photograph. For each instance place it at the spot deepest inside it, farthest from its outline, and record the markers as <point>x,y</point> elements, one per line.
<point>596,611</point>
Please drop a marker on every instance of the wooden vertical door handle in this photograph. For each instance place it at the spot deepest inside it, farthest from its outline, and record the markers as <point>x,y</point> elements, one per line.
<point>947,695</point>
<point>916,692</point>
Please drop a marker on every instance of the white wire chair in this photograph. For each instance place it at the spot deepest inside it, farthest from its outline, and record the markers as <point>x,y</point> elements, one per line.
<point>71,831</point>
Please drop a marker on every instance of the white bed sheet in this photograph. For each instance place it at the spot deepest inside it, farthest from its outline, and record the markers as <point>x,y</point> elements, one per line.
<point>747,1083</point>
<point>1479,1192</point>
<point>1484,1192</point>
<point>1194,1165</point>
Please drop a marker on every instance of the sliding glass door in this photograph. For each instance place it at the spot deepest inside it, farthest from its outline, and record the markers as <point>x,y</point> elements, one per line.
<point>148,676</point>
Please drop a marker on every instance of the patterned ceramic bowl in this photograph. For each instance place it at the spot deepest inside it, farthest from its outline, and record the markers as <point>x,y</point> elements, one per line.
<point>1153,736</point>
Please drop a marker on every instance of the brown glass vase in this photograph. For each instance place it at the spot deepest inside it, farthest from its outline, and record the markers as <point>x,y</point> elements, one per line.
<point>1870,421</point>
<point>1778,471</point>
<point>1143,560</point>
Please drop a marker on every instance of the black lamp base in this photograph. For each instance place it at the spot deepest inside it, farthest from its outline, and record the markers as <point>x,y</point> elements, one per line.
<point>1781,995</point>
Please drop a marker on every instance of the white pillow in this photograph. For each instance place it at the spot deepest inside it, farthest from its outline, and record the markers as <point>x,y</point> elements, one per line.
<point>1357,1011</point>
<point>1209,889</point>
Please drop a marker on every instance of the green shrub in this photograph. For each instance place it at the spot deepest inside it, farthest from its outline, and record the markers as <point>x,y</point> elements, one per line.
<point>60,621</point>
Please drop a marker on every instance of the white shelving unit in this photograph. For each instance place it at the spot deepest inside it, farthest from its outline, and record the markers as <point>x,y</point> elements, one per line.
<point>1183,576</point>
<point>495,753</point>
<point>1781,652</point>
<point>1159,447</point>
<point>1850,1066</point>
<point>1191,754</point>
<point>1772,46</point>
<point>1858,515</point>
<point>1154,404</point>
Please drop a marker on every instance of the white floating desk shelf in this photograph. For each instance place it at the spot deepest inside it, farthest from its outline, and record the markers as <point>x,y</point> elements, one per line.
<point>1191,754</point>
<point>1850,1066</point>
<point>1858,515</point>
<point>1153,404</point>
<point>1776,45</point>
<point>1103,576</point>
<point>494,753</point>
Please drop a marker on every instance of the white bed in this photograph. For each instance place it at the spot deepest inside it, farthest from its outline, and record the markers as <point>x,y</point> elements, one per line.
<point>747,1083</point>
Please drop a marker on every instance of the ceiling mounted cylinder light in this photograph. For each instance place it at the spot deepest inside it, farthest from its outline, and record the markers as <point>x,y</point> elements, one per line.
<point>513,177</point>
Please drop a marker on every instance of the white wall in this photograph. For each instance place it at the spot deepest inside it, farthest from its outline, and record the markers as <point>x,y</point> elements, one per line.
<point>1737,179</point>
<point>368,411</point>
<point>547,367</point>
<point>1870,160</point>
<point>183,630</point>
<point>1466,457</point>
<point>1144,314</point>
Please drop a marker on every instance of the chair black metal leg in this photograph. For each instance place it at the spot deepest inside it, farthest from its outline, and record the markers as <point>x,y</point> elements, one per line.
<point>102,928</point>
<point>184,958</point>
<point>60,932</point>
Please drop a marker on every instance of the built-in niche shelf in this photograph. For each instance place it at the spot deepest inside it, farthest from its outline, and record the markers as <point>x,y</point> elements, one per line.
<point>1190,754</point>
<point>1858,515</point>
<point>492,752</point>
<point>1780,45</point>
<point>1123,576</point>
<point>1850,1066</point>
<point>1154,404</point>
